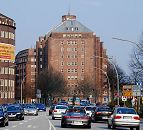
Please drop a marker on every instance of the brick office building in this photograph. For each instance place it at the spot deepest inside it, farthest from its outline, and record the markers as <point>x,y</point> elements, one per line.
<point>7,57</point>
<point>76,52</point>
<point>25,76</point>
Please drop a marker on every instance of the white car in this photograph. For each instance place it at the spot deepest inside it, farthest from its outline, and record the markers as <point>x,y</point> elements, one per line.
<point>124,117</point>
<point>58,111</point>
<point>89,110</point>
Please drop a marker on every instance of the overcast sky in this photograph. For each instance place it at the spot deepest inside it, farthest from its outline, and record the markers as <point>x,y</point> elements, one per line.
<point>107,18</point>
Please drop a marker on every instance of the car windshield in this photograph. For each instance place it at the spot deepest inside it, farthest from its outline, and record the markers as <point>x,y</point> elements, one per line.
<point>61,107</point>
<point>126,111</point>
<point>90,108</point>
<point>104,109</point>
<point>30,106</point>
<point>13,108</point>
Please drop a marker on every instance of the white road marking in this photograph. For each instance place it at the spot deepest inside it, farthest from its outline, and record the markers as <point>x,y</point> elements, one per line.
<point>25,121</point>
<point>51,125</point>
<point>14,126</point>
<point>20,123</point>
<point>29,126</point>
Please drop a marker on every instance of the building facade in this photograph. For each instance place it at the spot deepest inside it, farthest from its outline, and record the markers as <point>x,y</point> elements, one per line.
<point>25,90</point>
<point>7,57</point>
<point>75,51</point>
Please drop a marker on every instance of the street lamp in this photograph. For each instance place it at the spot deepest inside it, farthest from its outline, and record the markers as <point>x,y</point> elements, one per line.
<point>129,41</point>
<point>139,47</point>
<point>21,92</point>
<point>117,76</point>
<point>109,99</point>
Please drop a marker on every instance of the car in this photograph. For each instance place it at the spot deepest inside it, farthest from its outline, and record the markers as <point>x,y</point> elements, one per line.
<point>3,116</point>
<point>51,109</point>
<point>89,110</point>
<point>101,113</point>
<point>40,106</point>
<point>124,117</point>
<point>30,109</point>
<point>15,112</point>
<point>58,111</point>
<point>75,117</point>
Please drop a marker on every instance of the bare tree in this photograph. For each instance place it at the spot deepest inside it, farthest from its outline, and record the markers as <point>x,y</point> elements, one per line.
<point>86,87</point>
<point>51,83</point>
<point>123,79</point>
<point>136,63</point>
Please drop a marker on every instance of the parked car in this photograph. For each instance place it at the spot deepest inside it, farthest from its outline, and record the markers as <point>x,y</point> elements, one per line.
<point>75,117</point>
<point>40,106</point>
<point>124,117</point>
<point>30,109</point>
<point>101,113</point>
<point>58,111</point>
<point>3,116</point>
<point>15,111</point>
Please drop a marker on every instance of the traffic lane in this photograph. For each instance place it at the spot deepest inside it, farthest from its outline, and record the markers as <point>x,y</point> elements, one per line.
<point>39,122</point>
<point>94,126</point>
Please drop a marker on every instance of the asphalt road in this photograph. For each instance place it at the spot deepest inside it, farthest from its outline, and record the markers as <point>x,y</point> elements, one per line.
<point>45,122</point>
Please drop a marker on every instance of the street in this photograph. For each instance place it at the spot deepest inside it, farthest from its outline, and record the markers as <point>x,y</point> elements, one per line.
<point>44,122</point>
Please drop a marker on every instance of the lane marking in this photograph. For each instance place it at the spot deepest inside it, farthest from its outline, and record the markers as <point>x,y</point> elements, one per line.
<point>29,126</point>
<point>51,125</point>
<point>14,126</point>
<point>20,123</point>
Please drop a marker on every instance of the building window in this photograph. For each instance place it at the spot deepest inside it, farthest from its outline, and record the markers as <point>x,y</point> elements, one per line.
<point>41,66</point>
<point>62,70</point>
<point>6,70</point>
<point>40,59</point>
<point>62,63</point>
<point>40,52</point>
<point>82,63</point>
<point>82,70</point>
<point>68,70</point>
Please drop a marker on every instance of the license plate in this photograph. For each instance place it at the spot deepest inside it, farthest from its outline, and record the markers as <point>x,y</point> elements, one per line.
<point>78,122</point>
<point>104,117</point>
<point>127,117</point>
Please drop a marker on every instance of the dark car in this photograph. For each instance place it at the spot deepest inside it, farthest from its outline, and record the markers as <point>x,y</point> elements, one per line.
<point>3,116</point>
<point>75,117</point>
<point>15,111</point>
<point>51,109</point>
<point>40,106</point>
<point>101,114</point>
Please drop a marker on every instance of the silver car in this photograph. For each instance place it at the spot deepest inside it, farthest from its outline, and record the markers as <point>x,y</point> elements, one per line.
<point>30,109</point>
<point>124,117</point>
<point>58,111</point>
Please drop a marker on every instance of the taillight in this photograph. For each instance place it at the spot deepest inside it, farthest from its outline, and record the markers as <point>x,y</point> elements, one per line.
<point>66,117</point>
<point>85,117</point>
<point>55,110</point>
<point>117,117</point>
<point>136,117</point>
<point>98,113</point>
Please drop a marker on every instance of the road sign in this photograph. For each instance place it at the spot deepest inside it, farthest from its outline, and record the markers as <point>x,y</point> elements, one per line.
<point>124,99</point>
<point>136,90</point>
<point>127,91</point>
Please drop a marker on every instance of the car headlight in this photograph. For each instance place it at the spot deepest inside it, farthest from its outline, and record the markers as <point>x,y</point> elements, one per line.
<point>18,113</point>
<point>1,117</point>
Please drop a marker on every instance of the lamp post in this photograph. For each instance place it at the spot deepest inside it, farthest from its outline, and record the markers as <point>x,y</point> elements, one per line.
<point>21,92</point>
<point>129,41</point>
<point>117,76</point>
<point>109,98</point>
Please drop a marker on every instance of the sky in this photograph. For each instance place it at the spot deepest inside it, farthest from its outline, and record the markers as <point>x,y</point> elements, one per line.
<point>107,18</point>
